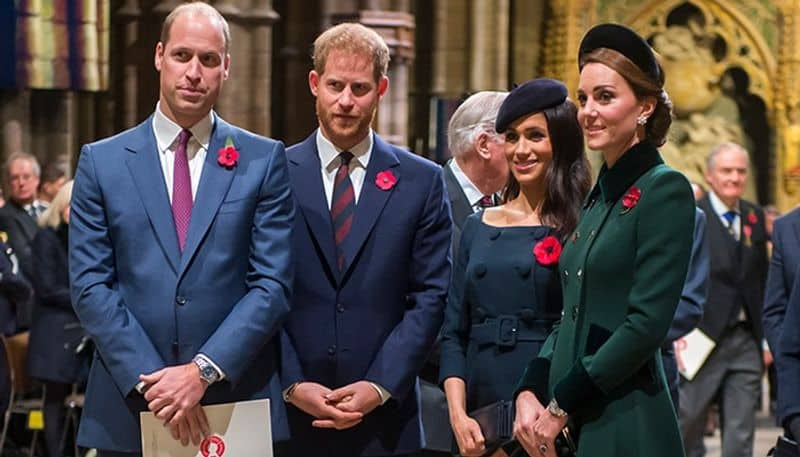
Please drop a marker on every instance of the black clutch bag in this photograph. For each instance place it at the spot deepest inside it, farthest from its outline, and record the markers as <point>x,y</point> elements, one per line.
<point>497,425</point>
<point>496,421</point>
<point>785,448</point>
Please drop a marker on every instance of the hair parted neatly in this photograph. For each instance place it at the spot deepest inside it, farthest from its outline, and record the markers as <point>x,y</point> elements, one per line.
<point>474,116</point>
<point>658,123</point>
<point>569,176</point>
<point>352,38</point>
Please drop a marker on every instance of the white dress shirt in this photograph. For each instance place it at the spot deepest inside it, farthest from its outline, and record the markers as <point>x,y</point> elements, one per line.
<point>166,133</point>
<point>474,196</point>
<point>330,161</point>
<point>720,208</point>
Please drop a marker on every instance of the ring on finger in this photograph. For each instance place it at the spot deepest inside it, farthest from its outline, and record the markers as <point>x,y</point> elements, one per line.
<point>542,448</point>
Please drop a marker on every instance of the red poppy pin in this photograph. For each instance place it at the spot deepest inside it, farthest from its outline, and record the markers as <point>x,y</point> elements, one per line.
<point>213,446</point>
<point>630,199</point>
<point>752,219</point>
<point>747,230</point>
<point>547,251</point>
<point>227,156</point>
<point>385,180</point>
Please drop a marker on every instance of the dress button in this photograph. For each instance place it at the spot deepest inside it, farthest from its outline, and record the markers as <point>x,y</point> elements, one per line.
<point>180,300</point>
<point>340,307</point>
<point>332,349</point>
<point>580,272</point>
<point>575,312</point>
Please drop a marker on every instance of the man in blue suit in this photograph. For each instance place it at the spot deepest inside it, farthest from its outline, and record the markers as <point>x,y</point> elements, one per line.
<point>180,256</point>
<point>372,246</point>
<point>782,317</point>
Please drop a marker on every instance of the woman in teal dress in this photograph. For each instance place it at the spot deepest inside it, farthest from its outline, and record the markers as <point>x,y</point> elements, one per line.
<point>621,271</point>
<point>505,295</point>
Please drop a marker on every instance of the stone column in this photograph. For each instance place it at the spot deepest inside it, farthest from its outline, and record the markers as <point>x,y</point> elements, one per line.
<point>785,173</point>
<point>488,53</point>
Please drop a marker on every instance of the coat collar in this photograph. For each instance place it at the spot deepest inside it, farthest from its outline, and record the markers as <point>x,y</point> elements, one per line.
<point>613,182</point>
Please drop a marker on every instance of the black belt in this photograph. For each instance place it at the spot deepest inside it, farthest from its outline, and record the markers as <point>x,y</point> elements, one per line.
<point>507,330</point>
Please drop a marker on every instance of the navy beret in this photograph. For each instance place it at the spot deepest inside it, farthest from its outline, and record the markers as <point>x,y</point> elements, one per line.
<point>530,97</point>
<point>625,41</point>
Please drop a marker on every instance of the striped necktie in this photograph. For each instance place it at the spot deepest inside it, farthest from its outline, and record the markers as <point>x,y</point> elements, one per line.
<point>343,205</point>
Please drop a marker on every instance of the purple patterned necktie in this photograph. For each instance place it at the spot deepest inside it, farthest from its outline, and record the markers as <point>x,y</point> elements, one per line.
<point>181,189</point>
<point>343,205</point>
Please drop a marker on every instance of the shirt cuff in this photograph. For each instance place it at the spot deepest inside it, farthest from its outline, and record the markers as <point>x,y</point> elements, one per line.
<point>383,393</point>
<point>140,387</point>
<point>211,362</point>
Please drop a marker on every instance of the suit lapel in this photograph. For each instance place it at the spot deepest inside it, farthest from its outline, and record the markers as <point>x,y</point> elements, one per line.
<point>372,198</point>
<point>215,181</point>
<point>310,195</point>
<point>145,168</point>
<point>459,204</point>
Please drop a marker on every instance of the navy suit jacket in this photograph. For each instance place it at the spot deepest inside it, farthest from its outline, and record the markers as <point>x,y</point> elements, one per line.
<point>695,289</point>
<point>377,319</point>
<point>147,305</point>
<point>782,311</point>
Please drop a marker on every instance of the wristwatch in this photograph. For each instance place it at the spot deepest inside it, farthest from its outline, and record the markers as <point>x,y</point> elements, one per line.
<point>555,410</point>
<point>208,373</point>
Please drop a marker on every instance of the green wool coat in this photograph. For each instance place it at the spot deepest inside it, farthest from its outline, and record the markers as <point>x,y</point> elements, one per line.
<point>622,272</point>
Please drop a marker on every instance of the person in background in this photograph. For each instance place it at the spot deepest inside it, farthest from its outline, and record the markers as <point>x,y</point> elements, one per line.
<point>54,176</point>
<point>732,319</point>
<point>621,271</point>
<point>372,245</point>
<point>18,220</point>
<point>55,332</point>
<point>505,295</point>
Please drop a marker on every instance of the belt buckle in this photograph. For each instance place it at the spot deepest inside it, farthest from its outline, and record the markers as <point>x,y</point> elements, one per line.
<point>507,327</point>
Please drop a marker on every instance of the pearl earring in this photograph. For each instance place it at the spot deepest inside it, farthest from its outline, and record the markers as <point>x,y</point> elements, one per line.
<point>641,120</point>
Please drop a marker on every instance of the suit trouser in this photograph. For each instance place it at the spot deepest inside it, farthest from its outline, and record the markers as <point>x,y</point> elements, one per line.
<point>732,370</point>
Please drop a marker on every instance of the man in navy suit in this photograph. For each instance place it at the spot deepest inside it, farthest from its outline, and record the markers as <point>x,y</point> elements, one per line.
<point>782,317</point>
<point>180,257</point>
<point>372,246</point>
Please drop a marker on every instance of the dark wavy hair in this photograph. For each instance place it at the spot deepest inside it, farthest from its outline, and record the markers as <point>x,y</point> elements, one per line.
<point>569,177</point>
<point>659,122</point>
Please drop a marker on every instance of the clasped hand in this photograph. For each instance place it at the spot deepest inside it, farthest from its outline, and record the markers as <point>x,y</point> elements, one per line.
<point>173,394</point>
<point>339,409</point>
<point>535,428</point>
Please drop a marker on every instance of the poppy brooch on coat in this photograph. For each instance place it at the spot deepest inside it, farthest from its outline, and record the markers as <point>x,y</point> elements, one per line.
<point>385,180</point>
<point>547,251</point>
<point>227,156</point>
<point>630,199</point>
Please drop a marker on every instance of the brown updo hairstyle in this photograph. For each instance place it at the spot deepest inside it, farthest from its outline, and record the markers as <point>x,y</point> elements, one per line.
<point>643,86</point>
<point>569,175</point>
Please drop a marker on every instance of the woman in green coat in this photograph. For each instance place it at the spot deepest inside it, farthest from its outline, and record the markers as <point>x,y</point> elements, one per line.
<point>621,271</point>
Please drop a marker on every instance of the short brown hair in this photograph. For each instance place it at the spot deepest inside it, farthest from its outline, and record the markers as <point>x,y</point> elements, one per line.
<point>353,38</point>
<point>659,122</point>
<point>196,8</point>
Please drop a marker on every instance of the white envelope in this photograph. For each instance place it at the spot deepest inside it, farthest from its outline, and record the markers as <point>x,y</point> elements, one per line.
<point>691,352</point>
<point>238,429</point>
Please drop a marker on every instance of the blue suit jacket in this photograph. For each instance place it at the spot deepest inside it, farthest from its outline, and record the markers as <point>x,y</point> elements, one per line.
<point>782,311</point>
<point>147,305</point>
<point>695,289</point>
<point>377,319</point>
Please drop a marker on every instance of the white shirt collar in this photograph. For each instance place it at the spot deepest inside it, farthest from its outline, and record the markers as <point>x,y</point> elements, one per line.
<point>470,190</point>
<point>328,152</point>
<point>166,131</point>
<point>719,207</point>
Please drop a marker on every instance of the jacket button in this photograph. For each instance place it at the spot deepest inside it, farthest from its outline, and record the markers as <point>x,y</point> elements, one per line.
<point>332,349</point>
<point>340,307</point>
<point>180,300</point>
